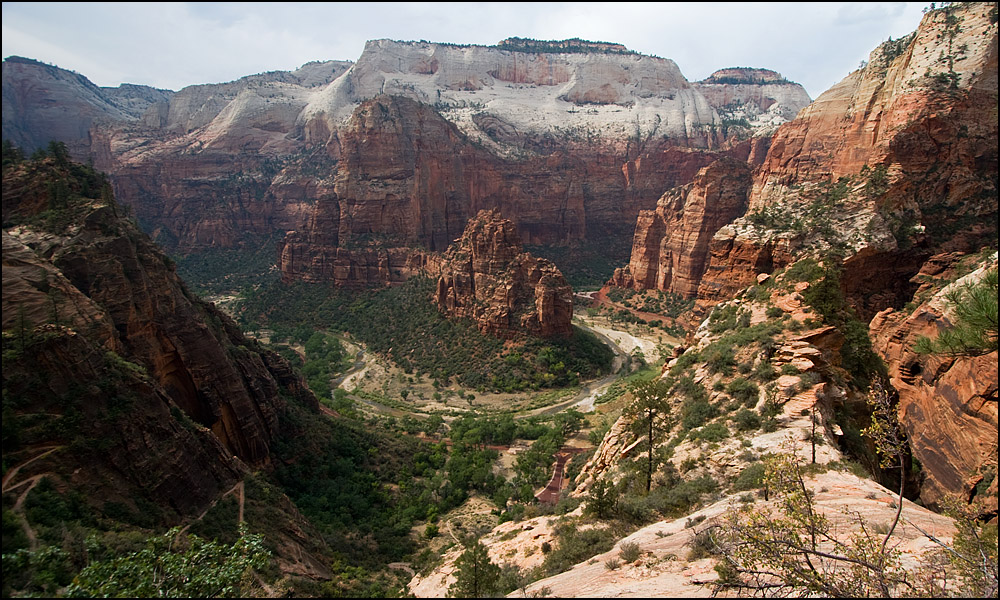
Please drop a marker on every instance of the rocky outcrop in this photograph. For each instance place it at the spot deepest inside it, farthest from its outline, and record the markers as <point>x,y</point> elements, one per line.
<point>895,163</point>
<point>670,250</point>
<point>42,103</point>
<point>93,271</point>
<point>142,404</point>
<point>486,277</point>
<point>948,404</point>
<point>752,101</point>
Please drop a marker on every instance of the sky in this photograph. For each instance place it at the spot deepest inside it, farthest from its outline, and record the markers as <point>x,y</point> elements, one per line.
<point>173,45</point>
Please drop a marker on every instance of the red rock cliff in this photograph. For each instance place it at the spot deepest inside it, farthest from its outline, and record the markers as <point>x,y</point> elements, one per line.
<point>486,277</point>
<point>407,178</point>
<point>947,404</point>
<point>670,250</point>
<point>99,274</point>
<point>893,164</point>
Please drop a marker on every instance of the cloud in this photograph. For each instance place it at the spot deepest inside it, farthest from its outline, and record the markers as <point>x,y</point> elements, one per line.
<point>172,45</point>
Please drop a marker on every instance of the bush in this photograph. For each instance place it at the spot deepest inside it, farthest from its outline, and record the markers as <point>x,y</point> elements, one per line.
<point>695,413</point>
<point>629,552</point>
<point>746,420</point>
<point>750,478</point>
<point>744,391</point>
<point>715,432</point>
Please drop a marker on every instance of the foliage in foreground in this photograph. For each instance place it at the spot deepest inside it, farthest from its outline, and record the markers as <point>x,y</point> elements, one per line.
<point>171,567</point>
<point>975,329</point>
<point>793,548</point>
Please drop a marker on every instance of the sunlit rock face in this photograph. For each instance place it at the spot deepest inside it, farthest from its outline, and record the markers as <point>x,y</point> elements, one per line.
<point>948,404</point>
<point>670,250</point>
<point>893,164</point>
<point>486,277</point>
<point>569,139</point>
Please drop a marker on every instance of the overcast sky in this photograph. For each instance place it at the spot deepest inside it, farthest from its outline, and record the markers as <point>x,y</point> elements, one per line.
<point>172,45</point>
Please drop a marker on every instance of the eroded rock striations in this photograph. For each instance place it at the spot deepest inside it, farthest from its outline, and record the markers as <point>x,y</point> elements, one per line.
<point>893,164</point>
<point>42,103</point>
<point>177,402</point>
<point>569,139</point>
<point>752,101</point>
<point>486,277</point>
<point>947,403</point>
<point>670,250</point>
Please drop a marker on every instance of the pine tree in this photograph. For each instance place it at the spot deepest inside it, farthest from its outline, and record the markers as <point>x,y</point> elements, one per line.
<point>975,331</point>
<point>477,576</point>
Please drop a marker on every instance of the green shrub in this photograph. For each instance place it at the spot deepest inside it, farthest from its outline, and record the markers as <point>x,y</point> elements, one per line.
<point>629,552</point>
<point>720,359</point>
<point>695,413</point>
<point>744,391</point>
<point>750,478</point>
<point>714,432</point>
<point>746,420</point>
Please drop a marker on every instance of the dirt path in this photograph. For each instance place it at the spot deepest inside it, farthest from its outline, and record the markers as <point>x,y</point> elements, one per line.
<point>30,482</point>
<point>19,508</point>
<point>238,488</point>
<point>13,471</point>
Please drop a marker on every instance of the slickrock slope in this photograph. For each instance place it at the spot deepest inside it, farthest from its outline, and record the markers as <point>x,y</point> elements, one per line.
<point>666,567</point>
<point>486,277</point>
<point>671,247</point>
<point>948,404</point>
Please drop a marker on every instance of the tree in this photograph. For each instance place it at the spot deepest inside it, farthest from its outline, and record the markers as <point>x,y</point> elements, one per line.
<point>793,548</point>
<point>168,567</point>
<point>59,152</point>
<point>602,500</point>
<point>477,576</point>
<point>975,331</point>
<point>650,413</point>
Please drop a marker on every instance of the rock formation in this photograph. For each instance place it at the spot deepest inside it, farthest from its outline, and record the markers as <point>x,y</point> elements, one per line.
<point>752,101</point>
<point>671,247</point>
<point>582,135</point>
<point>100,286</point>
<point>893,164</point>
<point>947,403</point>
<point>486,277</point>
<point>42,103</point>
<point>408,178</point>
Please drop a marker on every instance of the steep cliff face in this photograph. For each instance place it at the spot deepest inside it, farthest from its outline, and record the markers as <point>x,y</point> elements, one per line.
<point>486,277</point>
<point>537,88</point>
<point>83,267</point>
<point>573,137</point>
<point>947,403</point>
<point>42,103</point>
<point>891,165</point>
<point>671,246</point>
<point>408,178</point>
